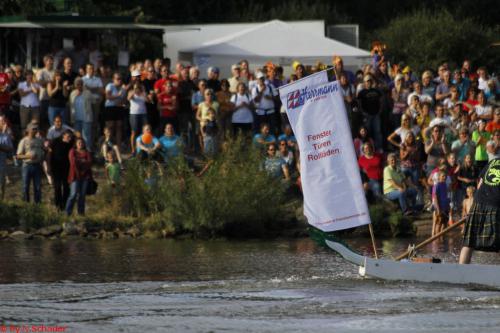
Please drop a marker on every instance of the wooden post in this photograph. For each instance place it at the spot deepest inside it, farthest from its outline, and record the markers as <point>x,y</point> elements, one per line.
<point>427,241</point>
<point>373,240</point>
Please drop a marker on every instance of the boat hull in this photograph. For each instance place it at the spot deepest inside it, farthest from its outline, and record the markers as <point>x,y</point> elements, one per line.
<point>487,275</point>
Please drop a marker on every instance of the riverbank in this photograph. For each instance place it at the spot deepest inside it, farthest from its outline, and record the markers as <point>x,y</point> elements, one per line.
<point>232,197</point>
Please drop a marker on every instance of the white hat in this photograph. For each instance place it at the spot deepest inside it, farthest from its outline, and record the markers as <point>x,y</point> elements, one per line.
<point>259,75</point>
<point>136,73</point>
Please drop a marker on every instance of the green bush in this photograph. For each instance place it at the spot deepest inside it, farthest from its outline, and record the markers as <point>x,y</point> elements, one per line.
<point>233,197</point>
<point>425,39</point>
<point>399,224</point>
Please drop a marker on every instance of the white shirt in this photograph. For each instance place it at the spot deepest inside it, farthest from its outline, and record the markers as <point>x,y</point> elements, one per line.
<point>47,76</point>
<point>243,115</point>
<point>482,84</point>
<point>265,105</point>
<point>31,99</point>
<point>483,110</point>
<point>422,98</point>
<point>138,104</point>
<point>403,132</point>
<point>445,121</point>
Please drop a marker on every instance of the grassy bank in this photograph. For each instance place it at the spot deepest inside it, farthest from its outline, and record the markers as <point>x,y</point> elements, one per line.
<point>232,197</point>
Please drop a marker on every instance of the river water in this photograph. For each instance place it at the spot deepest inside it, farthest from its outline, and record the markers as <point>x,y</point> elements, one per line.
<point>228,286</point>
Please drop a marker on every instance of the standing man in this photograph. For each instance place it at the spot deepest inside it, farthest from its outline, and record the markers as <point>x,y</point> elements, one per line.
<point>370,99</point>
<point>30,104</point>
<point>263,95</point>
<point>235,79</point>
<point>482,227</point>
<point>58,160</point>
<point>43,77</point>
<point>30,151</point>
<point>213,81</point>
<point>68,75</point>
<point>96,88</point>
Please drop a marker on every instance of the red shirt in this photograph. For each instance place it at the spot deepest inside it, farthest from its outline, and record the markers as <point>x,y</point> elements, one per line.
<point>372,166</point>
<point>160,84</point>
<point>167,104</point>
<point>80,165</point>
<point>492,127</point>
<point>472,102</point>
<point>5,95</point>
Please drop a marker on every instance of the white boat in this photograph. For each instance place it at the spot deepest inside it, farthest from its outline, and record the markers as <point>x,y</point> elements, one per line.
<point>487,275</point>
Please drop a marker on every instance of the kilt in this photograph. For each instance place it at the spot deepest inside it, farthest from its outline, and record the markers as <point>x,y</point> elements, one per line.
<point>482,228</point>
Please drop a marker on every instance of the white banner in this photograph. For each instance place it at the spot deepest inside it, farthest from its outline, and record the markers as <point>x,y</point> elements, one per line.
<point>333,193</point>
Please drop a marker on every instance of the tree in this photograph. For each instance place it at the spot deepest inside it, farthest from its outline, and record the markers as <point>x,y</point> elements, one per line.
<point>424,40</point>
<point>25,7</point>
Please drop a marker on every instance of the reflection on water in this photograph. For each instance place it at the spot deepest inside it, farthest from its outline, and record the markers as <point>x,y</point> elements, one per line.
<point>232,286</point>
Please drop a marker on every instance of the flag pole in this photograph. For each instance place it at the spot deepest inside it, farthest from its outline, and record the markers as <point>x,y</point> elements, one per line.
<point>373,240</point>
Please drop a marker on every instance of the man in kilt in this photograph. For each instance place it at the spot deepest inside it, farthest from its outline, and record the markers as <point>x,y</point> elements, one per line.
<point>482,227</point>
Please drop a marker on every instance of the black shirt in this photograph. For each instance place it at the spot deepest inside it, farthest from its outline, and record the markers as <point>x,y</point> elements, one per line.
<point>69,77</point>
<point>214,85</point>
<point>58,99</point>
<point>469,173</point>
<point>489,191</point>
<point>59,158</point>
<point>211,128</point>
<point>370,100</point>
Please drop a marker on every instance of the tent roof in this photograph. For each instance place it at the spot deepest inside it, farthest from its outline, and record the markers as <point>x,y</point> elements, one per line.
<point>276,39</point>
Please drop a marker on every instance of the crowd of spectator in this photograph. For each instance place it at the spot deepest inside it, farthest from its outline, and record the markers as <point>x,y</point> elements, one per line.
<point>421,140</point>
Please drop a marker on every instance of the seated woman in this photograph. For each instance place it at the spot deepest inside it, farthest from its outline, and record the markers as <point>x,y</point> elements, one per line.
<point>371,163</point>
<point>274,165</point>
<point>147,146</point>
<point>264,139</point>
<point>171,144</point>
<point>398,187</point>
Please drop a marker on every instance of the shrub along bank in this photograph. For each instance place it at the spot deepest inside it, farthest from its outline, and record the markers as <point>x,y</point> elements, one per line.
<point>234,197</point>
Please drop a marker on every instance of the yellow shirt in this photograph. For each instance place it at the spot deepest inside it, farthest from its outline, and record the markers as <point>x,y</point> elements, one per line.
<point>203,109</point>
<point>392,174</point>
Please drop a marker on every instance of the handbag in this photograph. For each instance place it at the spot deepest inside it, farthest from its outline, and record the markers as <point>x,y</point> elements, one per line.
<point>92,187</point>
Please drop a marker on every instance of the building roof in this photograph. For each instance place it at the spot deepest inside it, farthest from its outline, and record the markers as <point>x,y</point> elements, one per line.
<point>75,22</point>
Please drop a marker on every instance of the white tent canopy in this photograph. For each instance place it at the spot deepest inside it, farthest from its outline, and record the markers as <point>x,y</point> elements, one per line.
<point>274,41</point>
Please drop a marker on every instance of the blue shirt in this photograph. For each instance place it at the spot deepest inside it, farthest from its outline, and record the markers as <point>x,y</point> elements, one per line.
<point>79,108</point>
<point>462,88</point>
<point>151,145</point>
<point>287,138</point>
<point>197,98</point>
<point>170,145</point>
<point>274,166</point>
<point>6,142</point>
<point>269,138</point>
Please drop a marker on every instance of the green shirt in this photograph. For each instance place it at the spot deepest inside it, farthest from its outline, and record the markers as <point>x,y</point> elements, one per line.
<point>392,174</point>
<point>481,153</point>
<point>113,171</point>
